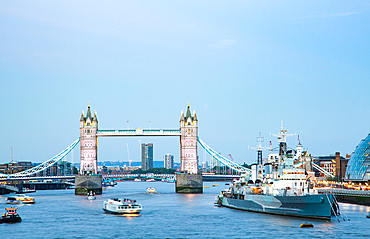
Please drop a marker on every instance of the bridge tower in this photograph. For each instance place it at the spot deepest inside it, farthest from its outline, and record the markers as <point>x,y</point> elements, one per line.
<point>88,143</point>
<point>189,181</point>
<point>188,142</point>
<point>88,178</point>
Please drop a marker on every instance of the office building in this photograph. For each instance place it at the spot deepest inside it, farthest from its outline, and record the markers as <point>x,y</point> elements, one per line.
<point>168,161</point>
<point>358,168</point>
<point>146,156</point>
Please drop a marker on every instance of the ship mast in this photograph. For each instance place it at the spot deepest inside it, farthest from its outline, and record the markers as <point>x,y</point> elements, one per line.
<point>282,140</point>
<point>259,149</point>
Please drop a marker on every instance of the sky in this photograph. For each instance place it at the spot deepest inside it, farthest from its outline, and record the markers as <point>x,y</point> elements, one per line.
<point>244,66</point>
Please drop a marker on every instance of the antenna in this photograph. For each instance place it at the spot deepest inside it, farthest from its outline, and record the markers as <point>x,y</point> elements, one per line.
<point>270,146</point>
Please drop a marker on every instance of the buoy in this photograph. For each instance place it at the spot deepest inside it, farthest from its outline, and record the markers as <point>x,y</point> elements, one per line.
<point>303,225</point>
<point>206,187</point>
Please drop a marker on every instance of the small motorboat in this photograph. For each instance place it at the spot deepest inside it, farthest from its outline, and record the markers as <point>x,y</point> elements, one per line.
<point>20,198</point>
<point>151,190</point>
<point>91,196</point>
<point>137,180</point>
<point>306,225</point>
<point>150,180</point>
<point>10,216</point>
<point>121,206</point>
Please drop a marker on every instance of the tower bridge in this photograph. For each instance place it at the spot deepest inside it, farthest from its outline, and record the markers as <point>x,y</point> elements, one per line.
<point>89,134</point>
<point>189,181</point>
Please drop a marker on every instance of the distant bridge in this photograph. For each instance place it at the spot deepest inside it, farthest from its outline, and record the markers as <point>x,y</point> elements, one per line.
<point>30,178</point>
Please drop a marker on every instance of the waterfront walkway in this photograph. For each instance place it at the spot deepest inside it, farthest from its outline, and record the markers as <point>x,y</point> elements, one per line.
<point>348,195</point>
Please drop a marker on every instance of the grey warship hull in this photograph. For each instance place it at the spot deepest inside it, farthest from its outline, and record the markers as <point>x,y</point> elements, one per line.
<point>319,206</point>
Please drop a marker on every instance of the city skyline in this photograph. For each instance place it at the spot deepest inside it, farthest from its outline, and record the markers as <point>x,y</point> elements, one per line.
<point>243,66</point>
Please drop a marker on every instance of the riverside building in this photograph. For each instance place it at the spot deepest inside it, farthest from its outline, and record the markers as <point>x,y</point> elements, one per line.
<point>168,161</point>
<point>358,168</point>
<point>146,156</point>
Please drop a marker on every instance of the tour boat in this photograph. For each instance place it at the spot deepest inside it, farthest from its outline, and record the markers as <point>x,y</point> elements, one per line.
<point>282,188</point>
<point>151,190</point>
<point>10,216</point>
<point>91,196</point>
<point>121,206</point>
<point>20,198</point>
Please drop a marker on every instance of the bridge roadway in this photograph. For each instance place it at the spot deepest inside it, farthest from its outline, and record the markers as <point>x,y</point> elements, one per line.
<point>206,177</point>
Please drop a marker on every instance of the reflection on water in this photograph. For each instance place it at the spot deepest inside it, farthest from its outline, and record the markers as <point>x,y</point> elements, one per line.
<point>131,215</point>
<point>61,214</point>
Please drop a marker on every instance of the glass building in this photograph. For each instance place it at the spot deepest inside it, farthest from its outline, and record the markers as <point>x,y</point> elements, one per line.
<point>168,161</point>
<point>146,156</point>
<point>358,165</point>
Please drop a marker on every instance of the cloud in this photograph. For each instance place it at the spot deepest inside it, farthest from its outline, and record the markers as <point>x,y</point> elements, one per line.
<point>224,43</point>
<point>126,23</point>
<point>330,15</point>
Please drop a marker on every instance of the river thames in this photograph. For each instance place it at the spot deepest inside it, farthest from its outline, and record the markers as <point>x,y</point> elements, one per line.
<point>61,214</point>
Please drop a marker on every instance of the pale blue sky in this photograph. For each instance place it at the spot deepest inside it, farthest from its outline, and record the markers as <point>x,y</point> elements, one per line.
<point>243,65</point>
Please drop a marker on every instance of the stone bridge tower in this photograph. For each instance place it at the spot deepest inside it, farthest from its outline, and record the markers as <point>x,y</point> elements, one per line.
<point>189,181</point>
<point>188,142</point>
<point>88,143</point>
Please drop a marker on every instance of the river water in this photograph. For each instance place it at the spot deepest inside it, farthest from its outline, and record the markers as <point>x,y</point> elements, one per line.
<point>61,214</point>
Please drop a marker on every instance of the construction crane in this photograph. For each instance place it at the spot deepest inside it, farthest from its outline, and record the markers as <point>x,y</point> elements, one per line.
<point>231,157</point>
<point>128,155</point>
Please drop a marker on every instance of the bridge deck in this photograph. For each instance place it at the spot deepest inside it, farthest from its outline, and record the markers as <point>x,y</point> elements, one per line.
<point>139,132</point>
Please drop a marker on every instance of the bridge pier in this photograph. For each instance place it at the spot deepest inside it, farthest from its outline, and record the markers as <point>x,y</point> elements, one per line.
<point>189,183</point>
<point>87,183</point>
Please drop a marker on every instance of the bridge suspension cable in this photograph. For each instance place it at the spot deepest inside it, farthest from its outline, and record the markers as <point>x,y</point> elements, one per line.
<point>228,163</point>
<point>44,165</point>
<point>322,170</point>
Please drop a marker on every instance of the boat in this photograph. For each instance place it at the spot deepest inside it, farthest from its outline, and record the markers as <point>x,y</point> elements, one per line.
<point>20,198</point>
<point>151,190</point>
<point>121,206</point>
<point>10,216</point>
<point>150,180</point>
<point>368,215</point>
<point>91,196</point>
<point>137,180</point>
<point>306,225</point>
<point>282,187</point>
